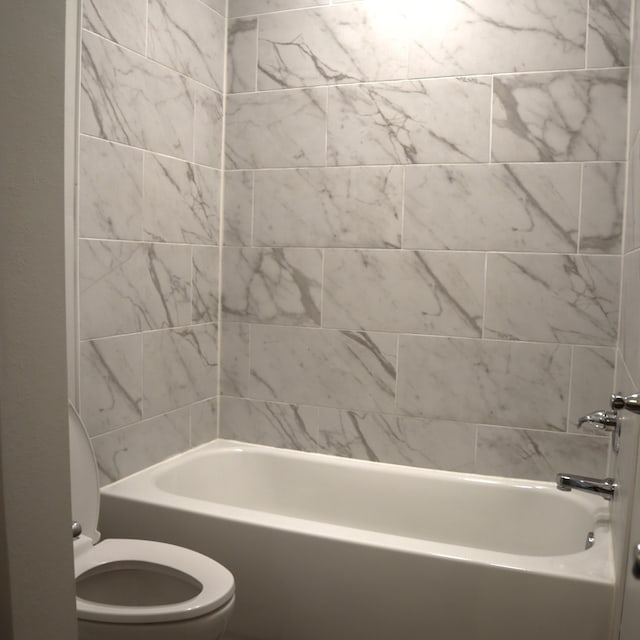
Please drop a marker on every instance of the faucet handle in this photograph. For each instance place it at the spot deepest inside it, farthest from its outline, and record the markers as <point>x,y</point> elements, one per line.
<point>630,403</point>
<point>602,420</point>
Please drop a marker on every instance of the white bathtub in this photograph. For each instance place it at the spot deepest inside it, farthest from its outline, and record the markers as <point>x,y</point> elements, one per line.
<point>333,549</point>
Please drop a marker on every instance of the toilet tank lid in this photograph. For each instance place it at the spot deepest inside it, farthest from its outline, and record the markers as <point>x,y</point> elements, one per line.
<point>85,488</point>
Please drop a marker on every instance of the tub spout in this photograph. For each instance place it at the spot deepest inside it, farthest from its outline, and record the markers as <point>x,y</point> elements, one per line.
<point>605,488</point>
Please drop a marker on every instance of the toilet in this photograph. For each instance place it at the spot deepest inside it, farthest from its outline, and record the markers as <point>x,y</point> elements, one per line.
<point>138,589</point>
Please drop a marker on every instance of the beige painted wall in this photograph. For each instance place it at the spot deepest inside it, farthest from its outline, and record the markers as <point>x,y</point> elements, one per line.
<point>33,384</point>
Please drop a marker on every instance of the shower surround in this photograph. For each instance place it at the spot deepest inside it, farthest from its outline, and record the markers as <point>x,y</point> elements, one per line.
<point>421,228</point>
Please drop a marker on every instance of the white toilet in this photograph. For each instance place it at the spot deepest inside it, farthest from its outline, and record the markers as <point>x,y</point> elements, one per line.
<point>138,589</point>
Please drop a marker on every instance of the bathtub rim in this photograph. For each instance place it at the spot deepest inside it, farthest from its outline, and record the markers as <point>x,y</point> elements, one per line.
<point>593,565</point>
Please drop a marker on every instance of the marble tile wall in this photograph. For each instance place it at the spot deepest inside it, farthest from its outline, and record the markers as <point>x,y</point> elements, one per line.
<point>150,157</point>
<point>422,229</point>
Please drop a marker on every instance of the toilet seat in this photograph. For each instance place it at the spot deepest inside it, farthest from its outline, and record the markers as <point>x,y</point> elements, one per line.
<point>217,582</point>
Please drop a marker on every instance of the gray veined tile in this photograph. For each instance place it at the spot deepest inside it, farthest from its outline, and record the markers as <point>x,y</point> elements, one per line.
<point>434,444</point>
<point>409,291</point>
<point>332,207</point>
<point>609,33</point>
<point>415,122</point>
<point>630,310</point>
<point>464,37</point>
<point>632,216</point>
<point>208,126</point>
<point>111,382</point>
<point>218,5</point>
<point>124,451</point>
<point>203,422</point>
<point>180,367</point>
<point>276,129</point>
<point>251,7</point>
<point>568,115</point>
<point>186,36</point>
<point>524,207</point>
<point>110,190</point>
<point>358,42</point>
<point>127,98</point>
<point>181,201</point>
<point>602,207</point>
<point>242,46</point>
<point>591,383</point>
<point>121,21</point>
<point>535,455</point>
<point>235,361</point>
<point>276,425</point>
<point>553,298</point>
<point>279,286</point>
<point>204,284</point>
<point>343,369</point>
<point>502,383</point>
<point>238,207</point>
<point>128,287</point>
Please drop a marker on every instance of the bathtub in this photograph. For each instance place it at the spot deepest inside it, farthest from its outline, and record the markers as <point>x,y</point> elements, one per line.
<point>324,548</point>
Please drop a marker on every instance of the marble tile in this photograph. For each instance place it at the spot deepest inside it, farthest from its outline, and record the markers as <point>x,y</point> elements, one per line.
<point>110,204</point>
<point>410,291</point>
<point>281,129</point>
<point>356,42</point>
<point>608,33</point>
<point>235,361</point>
<point>127,98</point>
<point>632,216</point>
<point>502,383</point>
<point>238,207</point>
<point>573,115</point>
<point>465,37</point>
<point>127,287</point>
<point>333,207</point>
<point>180,367</point>
<point>435,444</point>
<point>218,5</point>
<point>535,455</point>
<point>276,425</point>
<point>634,80</point>
<point>511,207</point>
<point>553,298</point>
<point>204,284</point>
<point>121,21</point>
<point>343,369</point>
<point>111,382</point>
<point>272,286</point>
<point>251,7</point>
<point>203,422</point>
<point>188,37</point>
<point>208,122</point>
<point>242,55</point>
<point>422,121</point>
<point>630,309</point>
<point>181,201</point>
<point>602,207</point>
<point>125,451</point>
<point>592,372</point>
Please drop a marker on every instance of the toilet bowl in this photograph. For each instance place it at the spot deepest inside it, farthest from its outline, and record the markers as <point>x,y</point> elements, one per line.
<point>138,589</point>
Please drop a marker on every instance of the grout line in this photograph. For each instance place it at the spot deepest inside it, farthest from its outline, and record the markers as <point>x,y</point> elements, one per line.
<point>253,209</point>
<point>221,209</point>
<point>586,35</point>
<point>580,207</point>
<point>257,51</point>
<point>402,207</point>
<point>491,99</point>
<point>146,31</point>
<point>569,395</point>
<point>322,288</point>
<point>484,296</point>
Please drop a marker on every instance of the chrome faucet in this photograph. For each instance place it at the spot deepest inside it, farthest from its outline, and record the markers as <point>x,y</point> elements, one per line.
<point>605,488</point>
